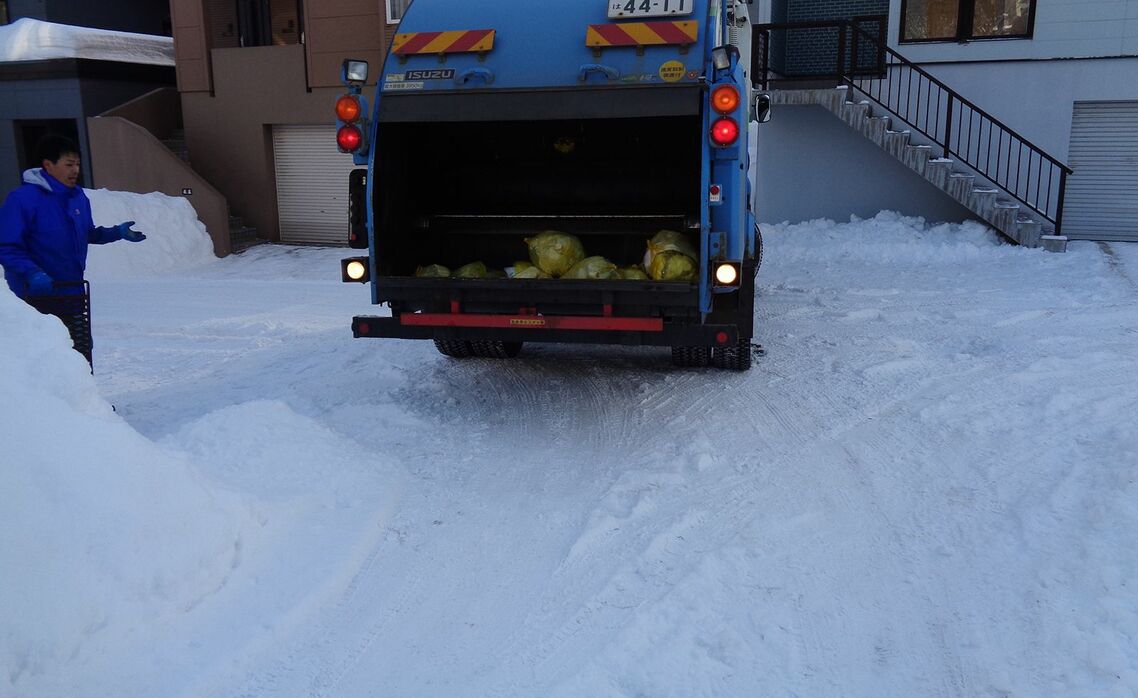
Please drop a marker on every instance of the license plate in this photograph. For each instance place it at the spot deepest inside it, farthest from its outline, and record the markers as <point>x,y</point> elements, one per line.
<point>649,8</point>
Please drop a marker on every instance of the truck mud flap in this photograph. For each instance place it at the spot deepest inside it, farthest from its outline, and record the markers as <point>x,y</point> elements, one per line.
<point>530,328</point>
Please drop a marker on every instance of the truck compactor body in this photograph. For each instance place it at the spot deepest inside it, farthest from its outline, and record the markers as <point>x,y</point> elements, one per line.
<point>609,120</point>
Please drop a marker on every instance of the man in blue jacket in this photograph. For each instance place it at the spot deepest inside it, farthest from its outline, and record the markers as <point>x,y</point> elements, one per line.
<point>46,225</point>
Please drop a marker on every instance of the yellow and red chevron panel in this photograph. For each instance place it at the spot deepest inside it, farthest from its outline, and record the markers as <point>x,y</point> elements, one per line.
<point>461,41</point>
<point>642,34</point>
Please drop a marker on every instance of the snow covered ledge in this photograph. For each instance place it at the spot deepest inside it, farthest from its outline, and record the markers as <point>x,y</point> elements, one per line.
<point>33,40</point>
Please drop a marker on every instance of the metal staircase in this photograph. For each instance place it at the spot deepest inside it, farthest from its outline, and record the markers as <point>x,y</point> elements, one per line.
<point>933,130</point>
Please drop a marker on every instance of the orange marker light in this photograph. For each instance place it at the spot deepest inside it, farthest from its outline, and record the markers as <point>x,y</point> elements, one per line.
<point>348,108</point>
<point>725,99</point>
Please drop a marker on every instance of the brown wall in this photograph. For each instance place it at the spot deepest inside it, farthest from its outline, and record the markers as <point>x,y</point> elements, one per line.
<point>191,48</point>
<point>230,108</point>
<point>127,157</point>
<point>159,112</point>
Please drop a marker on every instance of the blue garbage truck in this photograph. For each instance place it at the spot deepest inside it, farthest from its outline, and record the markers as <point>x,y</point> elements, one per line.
<point>607,120</point>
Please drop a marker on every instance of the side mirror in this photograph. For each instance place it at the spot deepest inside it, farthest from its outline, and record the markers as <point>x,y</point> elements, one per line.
<point>763,107</point>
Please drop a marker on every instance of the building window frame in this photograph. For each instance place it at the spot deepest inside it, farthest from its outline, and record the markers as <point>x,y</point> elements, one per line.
<point>392,17</point>
<point>965,32</point>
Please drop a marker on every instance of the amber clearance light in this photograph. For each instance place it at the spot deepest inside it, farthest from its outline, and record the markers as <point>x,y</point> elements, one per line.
<point>725,99</point>
<point>348,108</point>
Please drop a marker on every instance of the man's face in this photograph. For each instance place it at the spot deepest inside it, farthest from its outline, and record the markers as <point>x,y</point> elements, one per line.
<point>65,169</point>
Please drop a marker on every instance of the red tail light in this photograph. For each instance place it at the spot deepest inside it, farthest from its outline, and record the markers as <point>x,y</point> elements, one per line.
<point>349,138</point>
<point>724,132</point>
<point>348,108</point>
<point>725,99</point>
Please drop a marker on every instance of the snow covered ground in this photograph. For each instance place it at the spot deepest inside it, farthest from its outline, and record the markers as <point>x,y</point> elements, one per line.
<point>927,487</point>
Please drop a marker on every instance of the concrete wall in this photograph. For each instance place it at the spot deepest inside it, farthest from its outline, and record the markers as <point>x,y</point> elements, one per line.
<point>35,100</point>
<point>1063,29</point>
<point>159,112</point>
<point>229,134</point>
<point>811,165</point>
<point>1037,98</point>
<point>127,157</point>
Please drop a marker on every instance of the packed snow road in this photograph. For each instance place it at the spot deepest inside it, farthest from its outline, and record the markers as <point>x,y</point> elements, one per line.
<point>926,487</point>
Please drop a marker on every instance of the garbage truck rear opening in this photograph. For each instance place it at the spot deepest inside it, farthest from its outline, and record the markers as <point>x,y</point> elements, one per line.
<point>608,121</point>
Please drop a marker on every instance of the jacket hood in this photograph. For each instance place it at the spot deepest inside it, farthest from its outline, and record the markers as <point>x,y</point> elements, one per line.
<point>37,177</point>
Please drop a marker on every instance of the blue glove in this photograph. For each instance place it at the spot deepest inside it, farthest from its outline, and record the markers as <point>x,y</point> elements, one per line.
<point>125,233</point>
<point>40,284</point>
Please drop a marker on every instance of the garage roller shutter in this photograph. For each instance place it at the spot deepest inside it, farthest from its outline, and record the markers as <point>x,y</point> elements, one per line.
<point>1102,195</point>
<point>312,185</point>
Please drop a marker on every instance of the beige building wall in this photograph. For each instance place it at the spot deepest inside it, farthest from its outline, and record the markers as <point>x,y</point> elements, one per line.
<point>233,97</point>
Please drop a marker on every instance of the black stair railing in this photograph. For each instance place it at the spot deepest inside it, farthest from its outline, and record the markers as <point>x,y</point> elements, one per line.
<point>854,53</point>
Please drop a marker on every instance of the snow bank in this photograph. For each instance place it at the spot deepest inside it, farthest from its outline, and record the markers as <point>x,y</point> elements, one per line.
<point>175,238</point>
<point>103,534</point>
<point>32,40</point>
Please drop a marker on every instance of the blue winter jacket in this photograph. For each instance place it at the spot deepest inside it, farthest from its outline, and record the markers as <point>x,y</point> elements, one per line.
<point>46,226</point>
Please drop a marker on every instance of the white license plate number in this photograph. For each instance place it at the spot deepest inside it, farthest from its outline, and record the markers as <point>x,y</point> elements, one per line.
<point>649,8</point>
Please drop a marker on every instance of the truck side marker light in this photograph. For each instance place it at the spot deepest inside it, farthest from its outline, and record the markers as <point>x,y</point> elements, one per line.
<point>721,338</point>
<point>724,132</point>
<point>364,328</point>
<point>724,98</point>
<point>715,193</point>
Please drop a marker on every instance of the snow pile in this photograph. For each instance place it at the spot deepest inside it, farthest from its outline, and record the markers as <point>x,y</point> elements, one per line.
<point>103,534</point>
<point>175,238</point>
<point>32,40</point>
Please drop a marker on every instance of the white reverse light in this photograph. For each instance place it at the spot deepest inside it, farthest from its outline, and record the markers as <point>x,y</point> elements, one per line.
<point>726,274</point>
<point>356,270</point>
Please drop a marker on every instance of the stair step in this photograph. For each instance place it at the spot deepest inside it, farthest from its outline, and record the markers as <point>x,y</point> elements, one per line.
<point>937,171</point>
<point>916,157</point>
<point>960,186</point>
<point>854,114</point>
<point>895,143</point>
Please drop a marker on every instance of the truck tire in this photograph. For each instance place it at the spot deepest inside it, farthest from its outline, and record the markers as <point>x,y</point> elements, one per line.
<point>455,348</point>
<point>490,349</point>
<point>691,357</point>
<point>736,357</point>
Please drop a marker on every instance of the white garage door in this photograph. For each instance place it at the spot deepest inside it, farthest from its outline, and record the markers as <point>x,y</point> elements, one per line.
<point>1102,195</point>
<point>312,185</point>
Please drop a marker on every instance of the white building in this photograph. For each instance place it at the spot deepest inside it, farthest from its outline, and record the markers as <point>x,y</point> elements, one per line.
<point>1012,92</point>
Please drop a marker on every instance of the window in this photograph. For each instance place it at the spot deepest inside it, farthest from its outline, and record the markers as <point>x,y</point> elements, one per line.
<point>963,20</point>
<point>3,11</point>
<point>395,10</point>
<point>236,23</point>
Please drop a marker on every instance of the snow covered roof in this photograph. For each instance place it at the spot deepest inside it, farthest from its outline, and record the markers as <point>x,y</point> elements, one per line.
<point>33,40</point>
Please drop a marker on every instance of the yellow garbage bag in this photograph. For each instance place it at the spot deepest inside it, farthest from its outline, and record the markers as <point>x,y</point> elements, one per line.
<point>555,252</point>
<point>530,272</point>
<point>669,241</point>
<point>633,273</point>
<point>595,268</point>
<point>673,266</point>
<point>433,271</point>
<point>474,270</point>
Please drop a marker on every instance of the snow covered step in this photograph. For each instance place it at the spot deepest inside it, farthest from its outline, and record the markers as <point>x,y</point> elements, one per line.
<point>960,186</point>
<point>982,201</point>
<point>1028,232</point>
<point>855,114</point>
<point>895,143</point>
<point>916,157</point>
<point>874,128</point>
<point>937,171</point>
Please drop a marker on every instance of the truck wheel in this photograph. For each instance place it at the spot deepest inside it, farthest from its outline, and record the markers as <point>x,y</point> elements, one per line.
<point>734,358</point>
<point>490,349</point>
<point>691,357</point>
<point>456,348</point>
